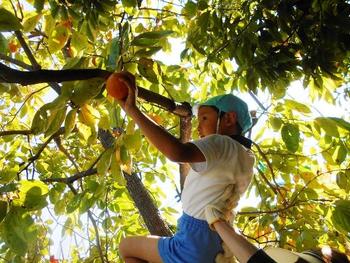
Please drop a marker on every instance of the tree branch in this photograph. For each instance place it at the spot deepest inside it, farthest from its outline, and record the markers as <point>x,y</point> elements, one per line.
<point>26,99</point>
<point>271,170</point>
<point>185,136</point>
<point>73,178</point>
<point>9,75</point>
<point>37,155</point>
<point>13,132</point>
<point>98,244</point>
<point>27,50</point>
<point>65,152</point>
<point>16,62</point>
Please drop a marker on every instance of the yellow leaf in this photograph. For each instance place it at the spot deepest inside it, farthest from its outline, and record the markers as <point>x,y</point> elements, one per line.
<point>88,115</point>
<point>58,38</point>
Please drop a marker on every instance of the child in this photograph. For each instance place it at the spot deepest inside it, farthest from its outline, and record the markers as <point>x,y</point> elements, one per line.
<point>221,170</point>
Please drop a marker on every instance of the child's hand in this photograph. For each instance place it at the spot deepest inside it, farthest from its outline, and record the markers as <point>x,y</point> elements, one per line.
<point>129,103</point>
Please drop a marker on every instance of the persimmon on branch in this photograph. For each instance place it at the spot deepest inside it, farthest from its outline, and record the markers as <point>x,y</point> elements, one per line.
<point>10,75</point>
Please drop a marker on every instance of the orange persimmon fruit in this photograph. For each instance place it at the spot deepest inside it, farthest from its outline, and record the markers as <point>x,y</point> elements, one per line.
<point>116,86</point>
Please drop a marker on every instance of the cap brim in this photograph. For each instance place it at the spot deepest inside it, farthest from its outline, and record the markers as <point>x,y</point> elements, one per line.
<point>281,255</point>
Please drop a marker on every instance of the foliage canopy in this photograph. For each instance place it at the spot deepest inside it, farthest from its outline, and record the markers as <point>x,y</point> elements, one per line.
<point>55,168</point>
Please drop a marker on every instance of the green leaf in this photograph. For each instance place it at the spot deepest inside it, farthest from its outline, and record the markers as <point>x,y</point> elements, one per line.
<point>190,9</point>
<point>74,203</point>
<point>39,5</point>
<point>30,23</point>
<point>147,52</point>
<point>116,171</point>
<point>249,209</point>
<point>3,209</point>
<point>113,55</point>
<point>8,22</point>
<point>70,122</point>
<point>328,125</point>
<point>8,174</point>
<point>129,3</point>
<point>3,44</point>
<point>124,154</point>
<point>86,203</point>
<point>86,90</point>
<point>79,42</point>
<point>339,154</point>
<point>147,67</point>
<point>154,34</point>
<point>290,136</point>
<point>294,105</point>
<point>133,142</point>
<point>341,123</point>
<point>341,216</point>
<point>58,117</point>
<point>105,162</point>
<point>251,80</point>
<point>19,231</point>
<point>144,42</point>
<point>343,180</point>
<point>8,188</point>
<point>39,122</point>
<point>32,195</point>
<point>60,207</point>
<point>276,123</point>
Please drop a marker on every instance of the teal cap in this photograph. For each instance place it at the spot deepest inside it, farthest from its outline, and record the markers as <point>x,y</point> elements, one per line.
<point>229,103</point>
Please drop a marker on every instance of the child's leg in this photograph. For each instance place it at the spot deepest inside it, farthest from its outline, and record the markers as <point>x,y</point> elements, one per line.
<point>140,249</point>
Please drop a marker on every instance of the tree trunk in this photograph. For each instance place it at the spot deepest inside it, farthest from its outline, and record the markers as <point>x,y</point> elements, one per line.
<point>146,206</point>
<point>185,136</point>
<point>140,195</point>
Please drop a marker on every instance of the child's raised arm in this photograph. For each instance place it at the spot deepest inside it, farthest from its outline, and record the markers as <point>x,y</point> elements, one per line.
<point>166,143</point>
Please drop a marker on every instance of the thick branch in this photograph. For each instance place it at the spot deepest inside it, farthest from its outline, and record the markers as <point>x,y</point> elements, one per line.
<point>141,197</point>
<point>185,136</point>
<point>146,206</point>
<point>33,61</point>
<point>14,132</point>
<point>9,75</point>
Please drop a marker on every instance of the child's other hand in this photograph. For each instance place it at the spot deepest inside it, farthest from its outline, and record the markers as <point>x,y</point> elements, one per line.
<point>129,103</point>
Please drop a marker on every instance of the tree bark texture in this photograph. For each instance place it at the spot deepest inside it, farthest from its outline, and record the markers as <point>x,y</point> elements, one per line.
<point>185,136</point>
<point>143,200</point>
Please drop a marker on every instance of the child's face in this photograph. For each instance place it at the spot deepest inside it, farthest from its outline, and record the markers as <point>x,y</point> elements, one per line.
<point>207,119</point>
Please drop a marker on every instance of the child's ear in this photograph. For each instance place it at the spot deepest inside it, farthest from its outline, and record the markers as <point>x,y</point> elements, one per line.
<point>231,118</point>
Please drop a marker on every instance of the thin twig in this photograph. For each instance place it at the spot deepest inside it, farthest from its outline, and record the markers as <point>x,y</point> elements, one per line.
<point>65,152</point>
<point>42,148</point>
<point>271,170</point>
<point>93,221</point>
<point>16,62</point>
<point>26,99</point>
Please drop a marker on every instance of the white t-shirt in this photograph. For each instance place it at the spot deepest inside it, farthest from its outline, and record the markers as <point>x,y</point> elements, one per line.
<point>227,162</point>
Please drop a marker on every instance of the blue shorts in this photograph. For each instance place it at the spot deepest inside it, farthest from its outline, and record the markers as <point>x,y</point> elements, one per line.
<point>194,242</point>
